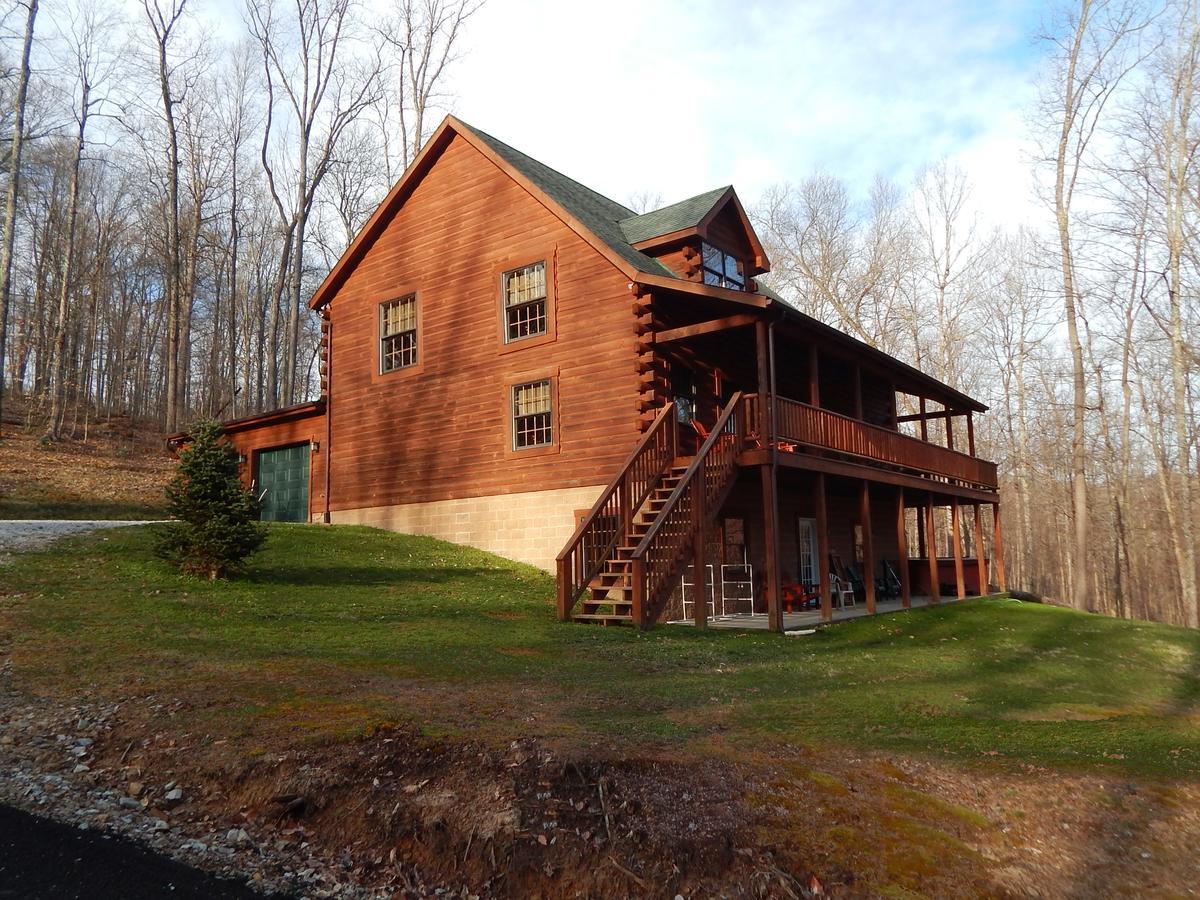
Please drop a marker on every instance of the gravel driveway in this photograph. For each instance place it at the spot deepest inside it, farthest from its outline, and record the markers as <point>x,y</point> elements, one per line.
<point>31,534</point>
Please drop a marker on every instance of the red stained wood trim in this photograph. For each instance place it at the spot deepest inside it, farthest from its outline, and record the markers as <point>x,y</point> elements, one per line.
<point>689,331</point>
<point>822,517</point>
<point>902,549</point>
<point>864,518</point>
<point>935,592</point>
<point>956,538</point>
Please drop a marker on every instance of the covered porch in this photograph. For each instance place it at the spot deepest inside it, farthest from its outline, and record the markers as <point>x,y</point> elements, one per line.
<point>795,544</point>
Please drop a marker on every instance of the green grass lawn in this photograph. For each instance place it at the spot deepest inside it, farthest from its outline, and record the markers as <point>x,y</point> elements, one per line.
<point>334,631</point>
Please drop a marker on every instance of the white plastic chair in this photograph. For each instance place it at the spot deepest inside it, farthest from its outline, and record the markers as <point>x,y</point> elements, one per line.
<point>843,593</point>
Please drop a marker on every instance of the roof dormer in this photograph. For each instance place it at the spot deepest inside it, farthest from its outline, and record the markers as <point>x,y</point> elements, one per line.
<point>707,238</point>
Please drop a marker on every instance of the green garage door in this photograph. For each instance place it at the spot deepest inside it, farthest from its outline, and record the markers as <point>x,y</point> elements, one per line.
<point>282,483</point>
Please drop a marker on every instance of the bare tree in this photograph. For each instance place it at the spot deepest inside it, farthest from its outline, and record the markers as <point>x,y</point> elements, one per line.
<point>164,22</point>
<point>423,36</point>
<point>89,38</point>
<point>311,70</point>
<point>17,144</point>
<point>1090,67</point>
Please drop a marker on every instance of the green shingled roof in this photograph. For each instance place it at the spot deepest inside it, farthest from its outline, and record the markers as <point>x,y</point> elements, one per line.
<point>597,213</point>
<point>684,214</point>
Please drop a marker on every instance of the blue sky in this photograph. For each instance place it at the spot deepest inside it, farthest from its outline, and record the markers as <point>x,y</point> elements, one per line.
<point>676,97</point>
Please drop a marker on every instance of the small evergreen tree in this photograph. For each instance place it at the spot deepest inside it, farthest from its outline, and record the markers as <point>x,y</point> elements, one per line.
<point>217,518</point>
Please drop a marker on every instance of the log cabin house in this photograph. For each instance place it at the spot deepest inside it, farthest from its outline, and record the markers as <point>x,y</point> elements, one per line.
<point>515,362</point>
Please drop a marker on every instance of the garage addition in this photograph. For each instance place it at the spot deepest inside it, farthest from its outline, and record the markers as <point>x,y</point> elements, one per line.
<point>281,482</point>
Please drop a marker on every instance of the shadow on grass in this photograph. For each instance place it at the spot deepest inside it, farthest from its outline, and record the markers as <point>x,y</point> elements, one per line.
<point>339,576</point>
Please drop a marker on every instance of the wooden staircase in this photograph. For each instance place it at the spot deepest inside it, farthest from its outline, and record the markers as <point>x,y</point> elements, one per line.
<point>621,564</point>
<point>609,599</point>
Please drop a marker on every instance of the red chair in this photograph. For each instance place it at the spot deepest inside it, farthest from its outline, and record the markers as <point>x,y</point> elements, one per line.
<point>799,595</point>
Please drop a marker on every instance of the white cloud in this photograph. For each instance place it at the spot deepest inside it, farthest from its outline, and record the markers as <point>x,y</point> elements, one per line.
<point>677,97</point>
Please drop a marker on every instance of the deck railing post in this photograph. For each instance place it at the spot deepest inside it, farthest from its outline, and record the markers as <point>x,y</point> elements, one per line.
<point>699,568</point>
<point>625,499</point>
<point>638,594</point>
<point>564,570</point>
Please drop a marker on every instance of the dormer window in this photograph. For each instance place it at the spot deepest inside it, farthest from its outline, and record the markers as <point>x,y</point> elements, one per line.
<point>721,269</point>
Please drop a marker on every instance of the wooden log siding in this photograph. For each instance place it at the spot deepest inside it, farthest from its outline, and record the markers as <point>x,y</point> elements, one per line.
<point>821,428</point>
<point>405,438</point>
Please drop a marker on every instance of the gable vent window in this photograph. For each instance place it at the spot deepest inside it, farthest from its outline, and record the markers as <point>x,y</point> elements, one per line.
<point>398,334</point>
<point>525,302</point>
<point>721,269</point>
<point>532,415</point>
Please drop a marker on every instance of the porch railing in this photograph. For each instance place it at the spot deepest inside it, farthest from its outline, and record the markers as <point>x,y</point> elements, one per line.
<point>826,430</point>
<point>610,517</point>
<point>694,500</point>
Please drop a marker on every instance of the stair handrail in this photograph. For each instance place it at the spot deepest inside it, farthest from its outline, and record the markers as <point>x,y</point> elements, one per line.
<point>697,461</point>
<point>569,591</point>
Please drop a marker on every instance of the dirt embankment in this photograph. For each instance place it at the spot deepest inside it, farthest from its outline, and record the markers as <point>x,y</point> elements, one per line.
<point>397,814</point>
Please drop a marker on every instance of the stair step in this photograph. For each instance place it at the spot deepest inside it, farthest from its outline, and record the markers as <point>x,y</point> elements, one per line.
<point>621,607</point>
<point>603,619</point>
<point>609,589</point>
<point>606,580</point>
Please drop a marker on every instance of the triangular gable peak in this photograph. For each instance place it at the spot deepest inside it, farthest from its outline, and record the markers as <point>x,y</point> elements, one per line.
<point>595,218</point>
<point>716,217</point>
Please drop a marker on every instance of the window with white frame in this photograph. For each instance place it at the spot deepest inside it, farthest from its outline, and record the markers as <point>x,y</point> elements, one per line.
<point>525,302</point>
<point>721,269</point>
<point>398,333</point>
<point>533,414</point>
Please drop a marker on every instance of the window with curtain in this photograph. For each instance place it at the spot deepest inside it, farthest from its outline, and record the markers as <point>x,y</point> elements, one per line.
<point>398,333</point>
<point>525,302</point>
<point>533,424</point>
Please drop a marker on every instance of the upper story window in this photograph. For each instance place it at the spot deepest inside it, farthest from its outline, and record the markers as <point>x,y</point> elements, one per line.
<point>398,333</point>
<point>525,302</point>
<point>721,269</point>
<point>533,424</point>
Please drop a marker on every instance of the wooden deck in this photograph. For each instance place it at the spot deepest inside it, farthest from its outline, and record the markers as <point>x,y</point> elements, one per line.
<point>812,619</point>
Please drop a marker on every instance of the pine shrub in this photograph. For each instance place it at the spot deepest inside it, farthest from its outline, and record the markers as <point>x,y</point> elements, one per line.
<point>216,525</point>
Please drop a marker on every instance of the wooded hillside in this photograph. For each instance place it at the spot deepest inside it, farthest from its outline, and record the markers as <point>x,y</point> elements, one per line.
<point>173,197</point>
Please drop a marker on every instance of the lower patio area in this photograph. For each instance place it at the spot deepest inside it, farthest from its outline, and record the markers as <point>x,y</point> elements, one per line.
<point>799,621</point>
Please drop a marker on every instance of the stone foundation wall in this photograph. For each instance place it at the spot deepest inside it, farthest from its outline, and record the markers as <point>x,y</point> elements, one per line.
<point>530,527</point>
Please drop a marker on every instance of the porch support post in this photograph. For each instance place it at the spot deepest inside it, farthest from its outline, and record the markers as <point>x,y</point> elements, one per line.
<point>935,592</point>
<point>864,515</point>
<point>998,547</point>
<point>902,550</point>
<point>774,581</point>
<point>971,433</point>
<point>924,423</point>
<point>763,358</point>
<point>956,536</point>
<point>699,567</point>
<point>981,574</point>
<point>949,430</point>
<point>858,397</point>
<point>922,552</point>
<point>814,376</point>
<point>823,549</point>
